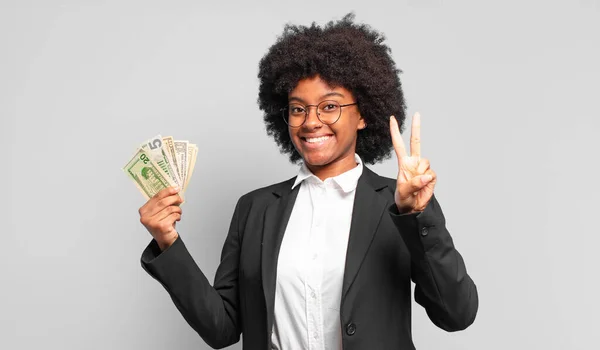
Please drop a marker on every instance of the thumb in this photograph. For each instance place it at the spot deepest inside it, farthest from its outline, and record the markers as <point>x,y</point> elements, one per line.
<point>418,182</point>
<point>409,188</point>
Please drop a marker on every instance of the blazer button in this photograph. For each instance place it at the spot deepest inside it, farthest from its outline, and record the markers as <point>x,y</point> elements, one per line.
<point>350,328</point>
<point>424,231</point>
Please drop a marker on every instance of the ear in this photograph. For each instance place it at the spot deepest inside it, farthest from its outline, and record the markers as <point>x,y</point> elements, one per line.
<point>362,124</point>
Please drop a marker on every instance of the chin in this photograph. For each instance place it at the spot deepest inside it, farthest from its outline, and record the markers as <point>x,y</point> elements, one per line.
<point>322,158</point>
<point>316,159</point>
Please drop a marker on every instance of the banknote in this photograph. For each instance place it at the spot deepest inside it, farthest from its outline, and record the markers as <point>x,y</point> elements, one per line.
<point>147,176</point>
<point>169,147</point>
<point>181,152</point>
<point>162,158</point>
<point>192,153</point>
<point>162,162</point>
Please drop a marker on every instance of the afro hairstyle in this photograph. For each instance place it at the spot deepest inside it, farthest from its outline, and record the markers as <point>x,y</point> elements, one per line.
<point>342,53</point>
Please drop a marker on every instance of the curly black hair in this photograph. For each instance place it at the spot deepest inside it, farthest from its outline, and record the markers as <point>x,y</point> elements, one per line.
<point>342,53</point>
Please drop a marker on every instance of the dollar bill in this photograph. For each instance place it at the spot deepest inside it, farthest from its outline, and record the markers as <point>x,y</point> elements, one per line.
<point>181,152</point>
<point>162,162</point>
<point>192,154</point>
<point>154,149</point>
<point>169,148</point>
<point>147,176</point>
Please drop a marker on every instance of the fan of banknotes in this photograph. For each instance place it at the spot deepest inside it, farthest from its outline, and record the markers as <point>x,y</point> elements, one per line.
<point>162,162</point>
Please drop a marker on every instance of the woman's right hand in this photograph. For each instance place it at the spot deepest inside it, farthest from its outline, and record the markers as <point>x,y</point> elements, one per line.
<point>159,215</point>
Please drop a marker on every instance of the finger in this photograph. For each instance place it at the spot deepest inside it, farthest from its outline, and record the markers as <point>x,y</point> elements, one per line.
<point>166,212</point>
<point>421,181</point>
<point>397,138</point>
<point>172,200</point>
<point>415,185</point>
<point>415,136</point>
<point>167,225</point>
<point>173,218</point>
<point>432,174</point>
<point>423,166</point>
<point>151,203</point>
<point>169,191</point>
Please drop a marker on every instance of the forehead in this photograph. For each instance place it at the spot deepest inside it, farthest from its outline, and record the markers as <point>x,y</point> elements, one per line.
<point>315,88</point>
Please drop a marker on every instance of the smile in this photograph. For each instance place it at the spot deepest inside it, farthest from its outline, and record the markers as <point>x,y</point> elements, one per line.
<point>316,139</point>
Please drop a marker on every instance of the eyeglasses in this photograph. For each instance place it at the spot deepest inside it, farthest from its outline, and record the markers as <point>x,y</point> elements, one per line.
<point>328,112</point>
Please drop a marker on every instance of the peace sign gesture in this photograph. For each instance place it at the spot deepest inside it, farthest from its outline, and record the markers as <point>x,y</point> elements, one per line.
<point>416,180</point>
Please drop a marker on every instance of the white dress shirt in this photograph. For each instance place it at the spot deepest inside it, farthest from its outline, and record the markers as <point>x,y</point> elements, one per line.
<point>310,267</point>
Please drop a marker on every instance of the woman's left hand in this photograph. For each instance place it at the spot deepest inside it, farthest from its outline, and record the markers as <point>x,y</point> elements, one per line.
<point>416,180</point>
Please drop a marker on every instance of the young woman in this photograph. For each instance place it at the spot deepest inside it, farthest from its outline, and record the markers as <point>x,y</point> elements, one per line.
<point>324,260</point>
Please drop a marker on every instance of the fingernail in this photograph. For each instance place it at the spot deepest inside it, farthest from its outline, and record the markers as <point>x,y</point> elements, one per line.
<point>176,189</point>
<point>427,178</point>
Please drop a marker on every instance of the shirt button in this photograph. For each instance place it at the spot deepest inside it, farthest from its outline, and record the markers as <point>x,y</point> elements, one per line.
<point>313,295</point>
<point>315,256</point>
<point>350,328</point>
<point>424,231</point>
<point>316,335</point>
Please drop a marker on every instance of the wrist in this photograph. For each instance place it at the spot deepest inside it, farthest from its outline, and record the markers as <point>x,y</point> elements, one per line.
<point>166,242</point>
<point>407,210</point>
<point>403,210</point>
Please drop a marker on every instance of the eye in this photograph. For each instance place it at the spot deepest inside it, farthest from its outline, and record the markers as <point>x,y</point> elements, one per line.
<point>296,110</point>
<point>330,107</point>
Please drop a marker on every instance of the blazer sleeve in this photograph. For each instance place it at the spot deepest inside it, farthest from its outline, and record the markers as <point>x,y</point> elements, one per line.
<point>212,311</point>
<point>443,286</point>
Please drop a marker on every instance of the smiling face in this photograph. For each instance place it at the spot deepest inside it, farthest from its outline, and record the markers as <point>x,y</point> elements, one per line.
<point>327,150</point>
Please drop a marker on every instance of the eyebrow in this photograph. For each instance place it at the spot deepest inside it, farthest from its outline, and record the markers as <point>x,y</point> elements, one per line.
<point>329,94</point>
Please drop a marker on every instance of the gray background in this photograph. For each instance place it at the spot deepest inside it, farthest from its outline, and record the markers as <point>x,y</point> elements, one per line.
<point>508,92</point>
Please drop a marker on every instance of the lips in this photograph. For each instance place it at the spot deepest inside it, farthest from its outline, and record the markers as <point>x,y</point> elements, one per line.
<point>314,142</point>
<point>317,139</point>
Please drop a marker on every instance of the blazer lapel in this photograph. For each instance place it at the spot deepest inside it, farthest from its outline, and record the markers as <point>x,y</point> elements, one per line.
<point>276,219</point>
<point>368,209</point>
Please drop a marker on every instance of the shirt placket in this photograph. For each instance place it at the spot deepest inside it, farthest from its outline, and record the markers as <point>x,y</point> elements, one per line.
<point>315,270</point>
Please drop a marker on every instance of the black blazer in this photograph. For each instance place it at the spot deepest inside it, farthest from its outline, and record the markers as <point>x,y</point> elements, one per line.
<point>385,251</point>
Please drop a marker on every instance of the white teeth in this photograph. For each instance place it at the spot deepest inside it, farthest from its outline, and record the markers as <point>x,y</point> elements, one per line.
<point>317,139</point>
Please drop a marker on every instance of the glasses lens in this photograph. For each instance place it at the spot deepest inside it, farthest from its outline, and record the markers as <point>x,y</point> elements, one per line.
<point>329,112</point>
<point>294,114</point>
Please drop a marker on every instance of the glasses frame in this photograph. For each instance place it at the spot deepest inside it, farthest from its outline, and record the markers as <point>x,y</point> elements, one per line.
<point>285,112</point>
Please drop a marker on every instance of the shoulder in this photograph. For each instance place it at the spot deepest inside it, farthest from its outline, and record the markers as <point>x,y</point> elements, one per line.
<point>377,181</point>
<point>267,193</point>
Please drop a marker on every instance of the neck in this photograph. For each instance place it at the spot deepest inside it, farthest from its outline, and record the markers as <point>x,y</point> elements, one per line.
<point>334,168</point>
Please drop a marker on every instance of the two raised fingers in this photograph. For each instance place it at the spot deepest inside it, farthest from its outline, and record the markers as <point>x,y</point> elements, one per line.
<point>415,138</point>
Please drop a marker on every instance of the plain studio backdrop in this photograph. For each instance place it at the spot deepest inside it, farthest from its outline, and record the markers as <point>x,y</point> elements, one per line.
<point>508,92</point>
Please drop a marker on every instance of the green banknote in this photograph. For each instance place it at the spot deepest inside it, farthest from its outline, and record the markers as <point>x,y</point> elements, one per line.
<point>161,157</point>
<point>147,175</point>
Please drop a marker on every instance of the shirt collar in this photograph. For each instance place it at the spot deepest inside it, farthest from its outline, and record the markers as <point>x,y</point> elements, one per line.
<point>346,181</point>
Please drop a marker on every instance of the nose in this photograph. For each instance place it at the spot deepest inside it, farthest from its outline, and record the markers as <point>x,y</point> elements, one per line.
<point>312,119</point>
